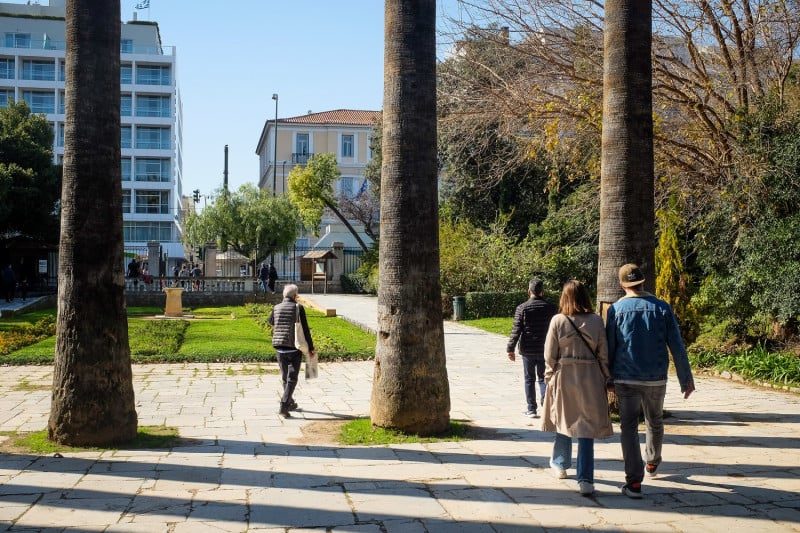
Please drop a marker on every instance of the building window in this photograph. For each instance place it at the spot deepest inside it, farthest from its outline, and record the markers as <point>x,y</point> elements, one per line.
<point>147,231</point>
<point>62,71</point>
<point>18,40</point>
<point>152,202</point>
<point>125,105</point>
<point>346,186</point>
<point>5,96</point>
<point>347,145</point>
<point>126,174</point>
<point>153,138</point>
<point>153,75</point>
<point>62,104</point>
<point>6,68</point>
<point>38,70</point>
<point>126,200</point>
<point>40,102</point>
<point>302,145</point>
<point>125,74</point>
<point>60,136</point>
<point>152,170</point>
<point>125,137</point>
<point>126,46</point>
<point>153,106</point>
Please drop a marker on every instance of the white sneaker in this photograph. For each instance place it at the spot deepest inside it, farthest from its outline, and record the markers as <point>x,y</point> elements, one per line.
<point>585,488</point>
<point>531,414</point>
<point>559,472</point>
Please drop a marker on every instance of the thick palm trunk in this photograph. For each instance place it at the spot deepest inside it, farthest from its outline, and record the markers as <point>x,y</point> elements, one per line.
<point>410,389</point>
<point>626,198</point>
<point>93,400</point>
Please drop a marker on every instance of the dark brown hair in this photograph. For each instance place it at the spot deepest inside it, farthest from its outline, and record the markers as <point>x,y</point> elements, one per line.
<point>575,299</point>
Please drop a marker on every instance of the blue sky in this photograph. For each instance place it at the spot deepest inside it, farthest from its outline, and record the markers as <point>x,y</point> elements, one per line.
<point>316,55</point>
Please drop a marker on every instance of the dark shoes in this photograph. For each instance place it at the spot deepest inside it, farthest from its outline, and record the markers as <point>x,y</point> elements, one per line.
<point>651,469</point>
<point>632,490</point>
<point>291,405</point>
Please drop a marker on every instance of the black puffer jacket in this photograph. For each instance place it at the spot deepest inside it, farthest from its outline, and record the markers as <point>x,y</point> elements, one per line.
<point>282,321</point>
<point>531,321</point>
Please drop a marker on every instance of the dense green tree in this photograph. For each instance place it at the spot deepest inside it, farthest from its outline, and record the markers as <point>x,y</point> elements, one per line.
<point>30,185</point>
<point>410,390</point>
<point>93,399</point>
<point>250,221</point>
<point>311,189</point>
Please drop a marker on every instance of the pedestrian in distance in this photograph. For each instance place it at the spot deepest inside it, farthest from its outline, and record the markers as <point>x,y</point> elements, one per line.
<point>9,283</point>
<point>272,276</point>
<point>263,276</point>
<point>640,329</point>
<point>577,376</point>
<point>282,319</point>
<point>531,319</point>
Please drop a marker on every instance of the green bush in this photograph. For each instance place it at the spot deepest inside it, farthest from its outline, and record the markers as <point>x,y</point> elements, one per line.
<point>493,304</point>
<point>356,283</point>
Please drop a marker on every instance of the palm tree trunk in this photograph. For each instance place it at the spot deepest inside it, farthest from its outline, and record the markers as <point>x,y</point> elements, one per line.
<point>93,399</point>
<point>410,390</point>
<point>627,185</point>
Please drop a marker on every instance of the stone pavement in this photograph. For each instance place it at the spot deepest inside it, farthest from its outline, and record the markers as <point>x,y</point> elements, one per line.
<point>732,457</point>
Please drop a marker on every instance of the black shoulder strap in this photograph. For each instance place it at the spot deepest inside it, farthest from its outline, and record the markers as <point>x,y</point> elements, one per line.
<point>581,335</point>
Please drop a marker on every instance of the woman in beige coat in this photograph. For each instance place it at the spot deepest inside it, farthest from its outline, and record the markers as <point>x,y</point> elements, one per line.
<point>575,404</point>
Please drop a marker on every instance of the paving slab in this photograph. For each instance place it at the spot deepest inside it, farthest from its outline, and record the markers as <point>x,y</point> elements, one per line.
<point>731,457</point>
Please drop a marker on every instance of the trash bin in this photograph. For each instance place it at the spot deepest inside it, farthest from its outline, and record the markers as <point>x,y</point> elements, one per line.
<point>459,305</point>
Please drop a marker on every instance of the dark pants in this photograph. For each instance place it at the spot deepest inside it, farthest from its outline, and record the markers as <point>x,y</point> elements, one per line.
<point>533,368</point>
<point>633,400</point>
<point>290,369</point>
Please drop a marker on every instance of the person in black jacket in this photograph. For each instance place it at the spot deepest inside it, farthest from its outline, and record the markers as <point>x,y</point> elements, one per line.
<point>531,320</point>
<point>282,320</point>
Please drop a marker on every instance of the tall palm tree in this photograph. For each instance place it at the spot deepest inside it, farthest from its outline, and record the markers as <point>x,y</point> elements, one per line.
<point>410,390</point>
<point>93,400</point>
<point>627,217</point>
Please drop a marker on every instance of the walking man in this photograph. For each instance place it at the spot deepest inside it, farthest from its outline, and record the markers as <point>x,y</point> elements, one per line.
<point>531,320</point>
<point>640,328</point>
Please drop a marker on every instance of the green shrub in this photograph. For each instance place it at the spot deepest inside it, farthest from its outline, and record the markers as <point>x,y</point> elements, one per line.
<point>493,304</point>
<point>356,283</point>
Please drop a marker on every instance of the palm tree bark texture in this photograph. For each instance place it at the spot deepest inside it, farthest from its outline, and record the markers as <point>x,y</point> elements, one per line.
<point>93,399</point>
<point>410,387</point>
<point>627,216</point>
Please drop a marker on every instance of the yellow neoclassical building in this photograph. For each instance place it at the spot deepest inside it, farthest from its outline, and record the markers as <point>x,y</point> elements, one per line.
<point>344,132</point>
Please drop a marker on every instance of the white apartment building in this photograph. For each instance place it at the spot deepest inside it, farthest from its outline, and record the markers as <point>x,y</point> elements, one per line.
<point>32,68</point>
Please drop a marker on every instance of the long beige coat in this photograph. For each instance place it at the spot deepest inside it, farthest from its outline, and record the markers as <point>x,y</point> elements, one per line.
<point>575,402</point>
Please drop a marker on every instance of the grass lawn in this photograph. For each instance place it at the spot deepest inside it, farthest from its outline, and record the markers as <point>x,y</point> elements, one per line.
<point>500,325</point>
<point>223,334</point>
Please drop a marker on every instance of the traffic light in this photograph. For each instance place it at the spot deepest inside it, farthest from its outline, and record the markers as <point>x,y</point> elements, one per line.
<point>196,195</point>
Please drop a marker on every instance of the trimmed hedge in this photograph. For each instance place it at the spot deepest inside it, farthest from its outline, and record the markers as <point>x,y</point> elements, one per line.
<point>355,283</point>
<point>493,304</point>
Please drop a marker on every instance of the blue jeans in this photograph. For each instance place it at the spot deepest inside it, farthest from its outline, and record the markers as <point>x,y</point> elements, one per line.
<point>633,400</point>
<point>562,456</point>
<point>263,283</point>
<point>533,369</point>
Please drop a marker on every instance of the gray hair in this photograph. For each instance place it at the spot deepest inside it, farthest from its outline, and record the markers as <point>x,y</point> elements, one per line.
<point>290,291</point>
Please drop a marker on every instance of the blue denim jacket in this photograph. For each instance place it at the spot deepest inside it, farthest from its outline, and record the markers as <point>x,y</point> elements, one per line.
<point>639,330</point>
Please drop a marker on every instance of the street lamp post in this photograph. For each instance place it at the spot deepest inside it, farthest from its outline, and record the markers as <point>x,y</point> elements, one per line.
<point>275,148</point>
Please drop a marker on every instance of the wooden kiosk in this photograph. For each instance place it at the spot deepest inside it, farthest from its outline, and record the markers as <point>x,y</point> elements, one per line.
<point>319,271</point>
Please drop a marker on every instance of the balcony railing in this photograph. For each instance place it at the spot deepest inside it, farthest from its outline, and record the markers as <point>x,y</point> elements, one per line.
<point>300,159</point>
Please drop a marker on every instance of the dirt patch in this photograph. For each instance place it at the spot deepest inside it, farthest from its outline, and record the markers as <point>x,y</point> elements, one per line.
<point>326,433</point>
<point>321,433</point>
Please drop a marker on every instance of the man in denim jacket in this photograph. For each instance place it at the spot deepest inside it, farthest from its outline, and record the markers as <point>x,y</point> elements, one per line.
<point>640,328</point>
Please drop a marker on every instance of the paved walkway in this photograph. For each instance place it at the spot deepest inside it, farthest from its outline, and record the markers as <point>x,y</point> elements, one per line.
<point>732,458</point>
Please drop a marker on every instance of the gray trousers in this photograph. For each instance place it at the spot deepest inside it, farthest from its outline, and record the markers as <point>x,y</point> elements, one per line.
<point>633,400</point>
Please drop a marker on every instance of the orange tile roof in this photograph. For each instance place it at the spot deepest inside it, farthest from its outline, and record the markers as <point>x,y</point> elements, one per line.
<point>353,117</point>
